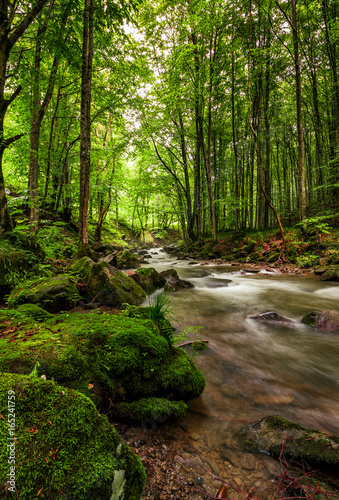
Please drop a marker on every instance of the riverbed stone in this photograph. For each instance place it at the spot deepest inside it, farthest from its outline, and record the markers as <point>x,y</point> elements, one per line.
<point>111,287</point>
<point>326,319</point>
<point>173,282</point>
<point>314,449</point>
<point>150,279</point>
<point>271,317</point>
<point>127,260</point>
<point>331,274</point>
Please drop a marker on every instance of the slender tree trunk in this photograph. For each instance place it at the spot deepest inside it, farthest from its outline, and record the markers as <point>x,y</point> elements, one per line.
<point>85,124</point>
<point>301,145</point>
<point>8,37</point>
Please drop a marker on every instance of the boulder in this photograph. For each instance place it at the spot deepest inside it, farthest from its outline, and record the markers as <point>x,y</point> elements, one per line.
<point>315,450</point>
<point>127,260</point>
<point>66,448</point>
<point>82,268</point>
<point>112,287</point>
<point>271,317</point>
<point>326,319</point>
<point>150,279</point>
<point>331,274</point>
<point>52,294</point>
<point>106,357</point>
<point>98,246</point>
<point>173,282</point>
<point>110,258</point>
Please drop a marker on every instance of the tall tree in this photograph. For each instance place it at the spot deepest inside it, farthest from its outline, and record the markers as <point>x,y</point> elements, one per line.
<point>12,28</point>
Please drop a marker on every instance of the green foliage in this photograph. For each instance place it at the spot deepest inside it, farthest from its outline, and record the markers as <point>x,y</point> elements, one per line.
<point>15,263</point>
<point>159,306</point>
<point>186,335</point>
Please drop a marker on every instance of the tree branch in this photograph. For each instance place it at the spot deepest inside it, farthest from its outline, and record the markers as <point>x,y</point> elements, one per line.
<point>22,27</point>
<point>8,102</point>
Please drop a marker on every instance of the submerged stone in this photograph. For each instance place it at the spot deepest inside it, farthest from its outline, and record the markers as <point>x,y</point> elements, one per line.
<point>315,450</point>
<point>271,317</point>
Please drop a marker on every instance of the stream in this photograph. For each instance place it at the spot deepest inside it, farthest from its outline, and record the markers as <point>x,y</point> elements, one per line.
<point>253,369</point>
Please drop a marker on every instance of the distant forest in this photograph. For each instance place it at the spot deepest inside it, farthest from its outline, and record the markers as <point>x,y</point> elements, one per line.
<point>198,115</point>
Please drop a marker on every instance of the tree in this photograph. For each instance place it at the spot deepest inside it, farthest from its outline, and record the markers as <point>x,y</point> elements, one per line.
<point>12,28</point>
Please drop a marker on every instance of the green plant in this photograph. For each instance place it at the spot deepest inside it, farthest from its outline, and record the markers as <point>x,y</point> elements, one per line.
<point>197,344</point>
<point>159,306</point>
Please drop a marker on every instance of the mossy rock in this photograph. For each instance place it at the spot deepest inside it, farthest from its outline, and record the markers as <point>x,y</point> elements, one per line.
<point>127,260</point>
<point>314,449</point>
<point>15,263</point>
<point>52,294</point>
<point>157,409</point>
<point>332,274</point>
<point>64,446</point>
<point>150,279</point>
<point>33,311</point>
<point>112,287</point>
<point>334,259</point>
<point>326,319</point>
<point>82,268</point>
<point>106,357</point>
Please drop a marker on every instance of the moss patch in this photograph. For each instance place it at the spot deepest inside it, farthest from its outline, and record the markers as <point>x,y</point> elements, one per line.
<point>157,409</point>
<point>64,446</point>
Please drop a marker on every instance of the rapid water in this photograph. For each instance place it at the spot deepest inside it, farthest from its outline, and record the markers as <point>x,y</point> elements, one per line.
<point>254,369</point>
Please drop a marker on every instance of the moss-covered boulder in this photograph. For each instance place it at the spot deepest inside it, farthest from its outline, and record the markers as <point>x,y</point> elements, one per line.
<point>127,260</point>
<point>109,358</point>
<point>112,287</point>
<point>315,450</point>
<point>33,311</point>
<point>326,319</point>
<point>64,447</point>
<point>52,294</point>
<point>331,274</point>
<point>150,279</point>
<point>82,268</point>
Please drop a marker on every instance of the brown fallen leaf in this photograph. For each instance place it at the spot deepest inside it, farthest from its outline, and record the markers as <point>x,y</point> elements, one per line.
<point>222,492</point>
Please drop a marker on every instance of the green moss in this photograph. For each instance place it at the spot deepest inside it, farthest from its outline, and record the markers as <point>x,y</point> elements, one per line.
<point>52,294</point>
<point>158,409</point>
<point>33,311</point>
<point>127,260</point>
<point>316,450</point>
<point>82,268</point>
<point>104,356</point>
<point>64,446</point>
<point>311,319</point>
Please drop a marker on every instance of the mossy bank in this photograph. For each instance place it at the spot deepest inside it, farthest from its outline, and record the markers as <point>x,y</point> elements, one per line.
<point>63,448</point>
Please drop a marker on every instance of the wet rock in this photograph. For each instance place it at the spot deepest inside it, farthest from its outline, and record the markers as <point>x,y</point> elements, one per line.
<point>127,260</point>
<point>318,271</point>
<point>112,287</point>
<point>271,317</point>
<point>326,319</point>
<point>150,279</point>
<point>173,282</point>
<point>315,450</point>
<point>331,274</point>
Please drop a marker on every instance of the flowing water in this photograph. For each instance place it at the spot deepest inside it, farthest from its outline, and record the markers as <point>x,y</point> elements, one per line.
<point>254,369</point>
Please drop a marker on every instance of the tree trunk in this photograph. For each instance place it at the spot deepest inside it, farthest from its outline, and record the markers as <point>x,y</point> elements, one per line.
<point>85,125</point>
<point>301,146</point>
